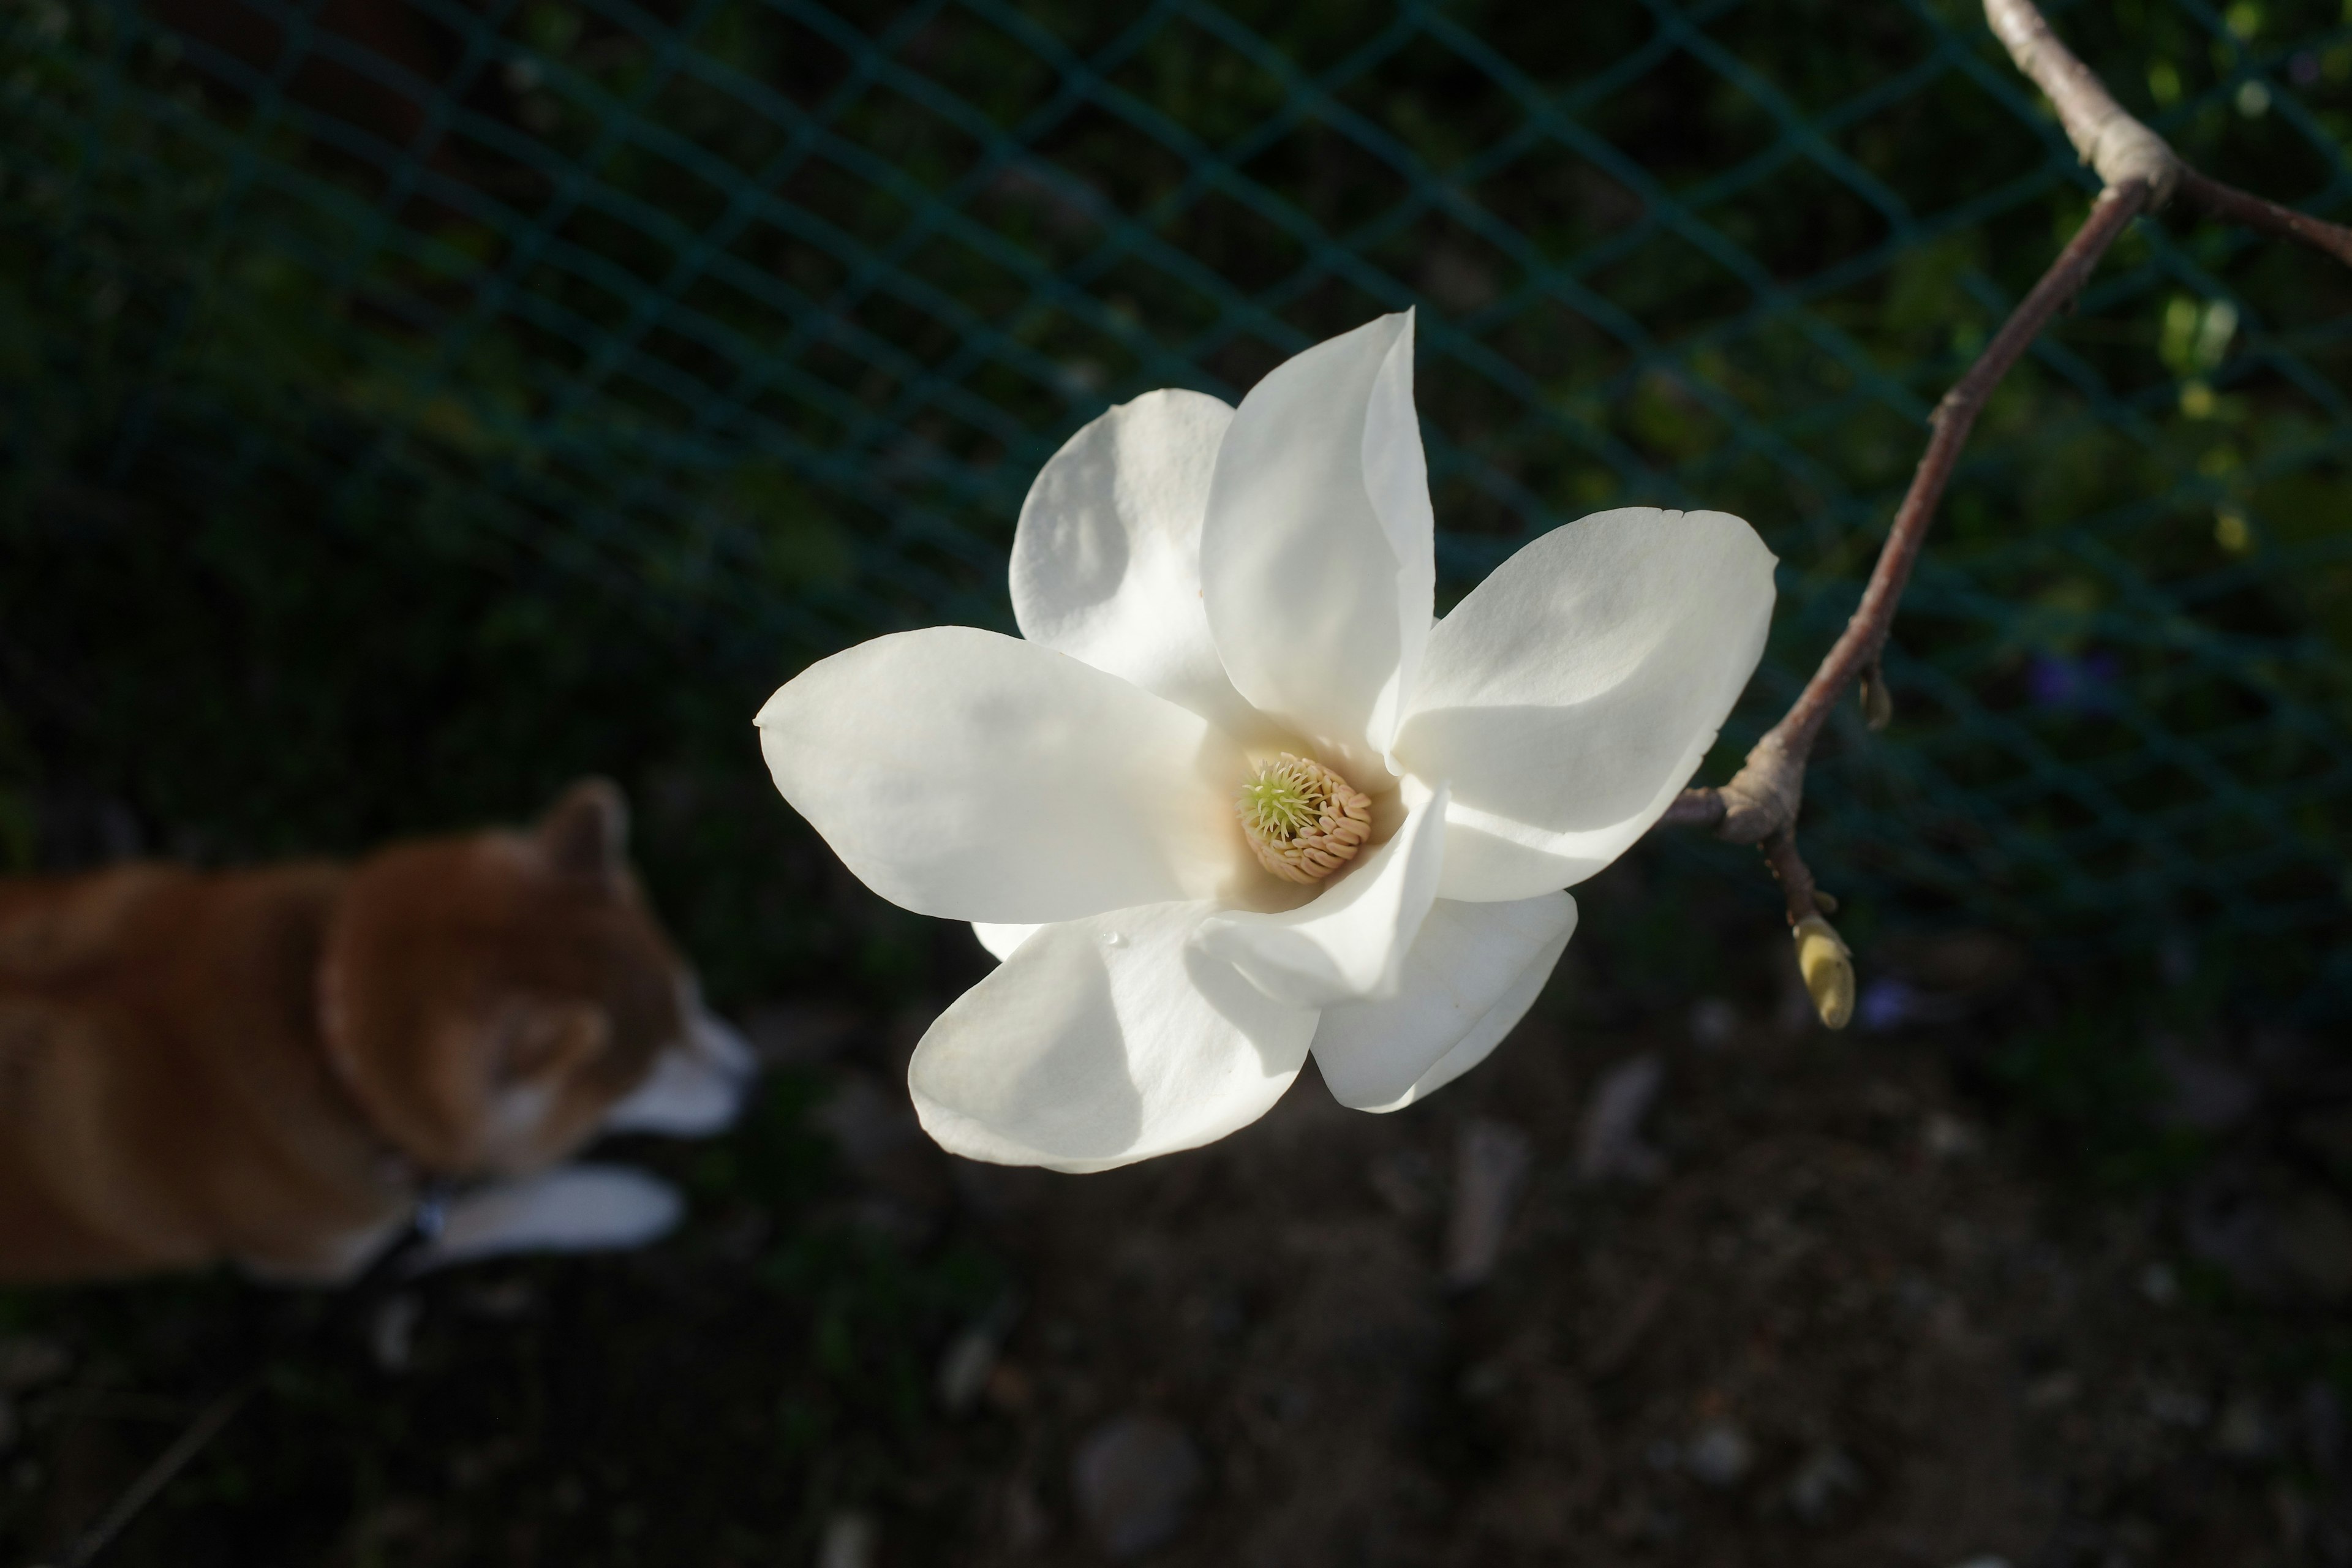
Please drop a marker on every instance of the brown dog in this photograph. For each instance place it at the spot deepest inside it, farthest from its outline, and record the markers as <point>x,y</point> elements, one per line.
<point>266,1066</point>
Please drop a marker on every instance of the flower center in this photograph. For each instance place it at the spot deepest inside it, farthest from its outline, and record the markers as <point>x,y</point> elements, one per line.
<point>1302,820</point>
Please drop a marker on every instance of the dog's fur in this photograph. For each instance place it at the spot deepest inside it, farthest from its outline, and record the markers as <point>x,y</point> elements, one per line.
<point>265,1066</point>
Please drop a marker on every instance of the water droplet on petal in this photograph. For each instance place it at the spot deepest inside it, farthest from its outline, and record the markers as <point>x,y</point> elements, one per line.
<point>1114,940</point>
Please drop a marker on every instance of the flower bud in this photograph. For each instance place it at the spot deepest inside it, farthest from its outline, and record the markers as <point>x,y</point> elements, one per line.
<point>1827,965</point>
<point>1878,701</point>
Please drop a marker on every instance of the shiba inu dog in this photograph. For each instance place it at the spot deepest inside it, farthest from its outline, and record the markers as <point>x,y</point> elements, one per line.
<point>269,1065</point>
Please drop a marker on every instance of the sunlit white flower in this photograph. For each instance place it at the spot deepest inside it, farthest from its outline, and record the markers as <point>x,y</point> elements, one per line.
<point>1235,794</point>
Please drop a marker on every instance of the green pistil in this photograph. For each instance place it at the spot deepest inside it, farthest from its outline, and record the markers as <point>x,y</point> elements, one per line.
<point>1273,806</point>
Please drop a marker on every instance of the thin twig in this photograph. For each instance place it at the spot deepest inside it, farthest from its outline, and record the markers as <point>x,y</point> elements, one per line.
<point>1761,799</point>
<point>2247,211</point>
<point>2118,147</point>
<point>1796,877</point>
<point>159,1475</point>
<point>1694,808</point>
<point>2139,174</point>
<point>352,1302</point>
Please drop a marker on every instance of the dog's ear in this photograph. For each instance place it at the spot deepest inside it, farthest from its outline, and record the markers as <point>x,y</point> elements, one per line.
<point>586,832</point>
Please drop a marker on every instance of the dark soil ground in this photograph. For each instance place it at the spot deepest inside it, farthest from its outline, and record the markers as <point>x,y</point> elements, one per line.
<point>1825,1299</point>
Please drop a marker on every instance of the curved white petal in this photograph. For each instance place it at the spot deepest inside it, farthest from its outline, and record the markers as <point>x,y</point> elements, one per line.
<point>1107,558</point>
<point>1574,691</point>
<point>1104,1041</point>
<point>1316,557</point>
<point>1352,939</point>
<point>1479,1044</point>
<point>1475,971</point>
<point>1000,939</point>
<point>979,777</point>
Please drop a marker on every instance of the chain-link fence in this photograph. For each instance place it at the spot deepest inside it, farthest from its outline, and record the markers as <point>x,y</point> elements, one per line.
<point>697,337</point>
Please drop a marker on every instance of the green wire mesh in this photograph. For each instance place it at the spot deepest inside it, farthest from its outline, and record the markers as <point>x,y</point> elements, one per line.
<point>755,316</point>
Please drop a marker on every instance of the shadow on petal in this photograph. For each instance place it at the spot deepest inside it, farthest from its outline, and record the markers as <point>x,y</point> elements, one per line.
<point>1266,1024</point>
<point>1104,1041</point>
<point>1029,1066</point>
<point>1570,769</point>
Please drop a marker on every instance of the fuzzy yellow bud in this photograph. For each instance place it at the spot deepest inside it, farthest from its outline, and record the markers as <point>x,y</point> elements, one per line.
<point>1827,964</point>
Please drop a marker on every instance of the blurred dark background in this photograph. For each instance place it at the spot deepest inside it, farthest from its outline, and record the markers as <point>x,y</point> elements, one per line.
<point>412,404</point>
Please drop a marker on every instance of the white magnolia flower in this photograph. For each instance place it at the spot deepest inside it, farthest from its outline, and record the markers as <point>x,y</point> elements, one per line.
<point>1234,794</point>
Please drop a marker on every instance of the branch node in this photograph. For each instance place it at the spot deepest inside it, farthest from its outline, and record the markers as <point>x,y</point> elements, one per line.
<point>2118,147</point>
<point>1762,797</point>
<point>2122,149</point>
<point>2138,172</point>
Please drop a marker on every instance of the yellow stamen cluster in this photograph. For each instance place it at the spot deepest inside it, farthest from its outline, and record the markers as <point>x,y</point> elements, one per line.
<point>1302,820</point>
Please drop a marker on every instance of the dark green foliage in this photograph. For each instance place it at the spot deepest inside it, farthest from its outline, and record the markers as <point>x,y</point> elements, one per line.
<point>393,431</point>
<point>390,433</point>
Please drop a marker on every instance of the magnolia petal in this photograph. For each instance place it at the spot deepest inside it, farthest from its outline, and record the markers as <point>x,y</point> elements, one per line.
<point>1473,974</point>
<point>1102,1041</point>
<point>1315,558</point>
<point>1572,693</point>
<point>978,777</point>
<point>1490,1031</point>
<point>1107,558</point>
<point>1351,940</point>
<point>1000,940</point>
<point>1396,476</point>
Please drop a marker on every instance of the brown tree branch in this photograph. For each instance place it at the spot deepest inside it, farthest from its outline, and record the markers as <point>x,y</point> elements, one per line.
<point>2231,204</point>
<point>2139,174</point>
<point>1761,799</point>
<point>1796,879</point>
<point>2118,147</point>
